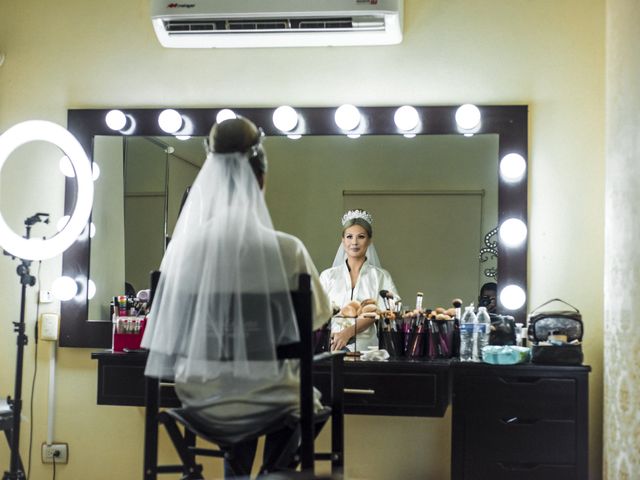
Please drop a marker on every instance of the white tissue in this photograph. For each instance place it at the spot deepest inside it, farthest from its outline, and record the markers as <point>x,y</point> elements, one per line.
<point>375,355</point>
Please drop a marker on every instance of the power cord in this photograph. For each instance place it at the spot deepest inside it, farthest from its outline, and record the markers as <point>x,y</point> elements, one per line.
<point>33,381</point>
<point>55,454</point>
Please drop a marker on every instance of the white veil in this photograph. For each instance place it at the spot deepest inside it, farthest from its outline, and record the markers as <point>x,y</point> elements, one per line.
<point>223,297</point>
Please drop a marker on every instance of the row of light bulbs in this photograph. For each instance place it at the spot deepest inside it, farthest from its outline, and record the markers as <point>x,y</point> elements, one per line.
<point>286,119</point>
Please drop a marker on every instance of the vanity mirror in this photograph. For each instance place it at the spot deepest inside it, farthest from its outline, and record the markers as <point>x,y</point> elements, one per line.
<point>382,170</point>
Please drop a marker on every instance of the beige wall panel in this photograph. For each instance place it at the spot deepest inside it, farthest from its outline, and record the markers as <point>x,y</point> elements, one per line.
<point>622,257</point>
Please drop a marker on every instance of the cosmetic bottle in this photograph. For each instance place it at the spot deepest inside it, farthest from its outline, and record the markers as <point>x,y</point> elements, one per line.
<point>419,301</point>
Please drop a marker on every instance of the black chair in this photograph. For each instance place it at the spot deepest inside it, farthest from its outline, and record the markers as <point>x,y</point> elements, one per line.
<point>183,428</point>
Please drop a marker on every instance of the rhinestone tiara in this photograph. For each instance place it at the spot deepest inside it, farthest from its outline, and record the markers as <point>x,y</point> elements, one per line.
<point>351,214</point>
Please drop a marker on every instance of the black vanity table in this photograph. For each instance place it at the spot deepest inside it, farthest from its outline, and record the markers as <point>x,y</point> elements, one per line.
<point>516,422</point>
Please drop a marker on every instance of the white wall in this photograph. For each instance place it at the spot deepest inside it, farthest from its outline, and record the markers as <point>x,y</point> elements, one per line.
<point>548,54</point>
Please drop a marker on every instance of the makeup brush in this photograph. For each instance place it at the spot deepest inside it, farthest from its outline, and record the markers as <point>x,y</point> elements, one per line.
<point>455,342</point>
<point>385,294</point>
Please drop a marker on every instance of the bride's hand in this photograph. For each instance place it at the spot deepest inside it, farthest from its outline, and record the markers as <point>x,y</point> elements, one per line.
<point>340,339</point>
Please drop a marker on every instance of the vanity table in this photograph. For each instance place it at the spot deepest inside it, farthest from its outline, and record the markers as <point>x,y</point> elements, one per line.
<point>509,422</point>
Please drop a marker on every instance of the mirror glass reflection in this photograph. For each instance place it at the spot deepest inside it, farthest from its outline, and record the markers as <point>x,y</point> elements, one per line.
<point>432,197</point>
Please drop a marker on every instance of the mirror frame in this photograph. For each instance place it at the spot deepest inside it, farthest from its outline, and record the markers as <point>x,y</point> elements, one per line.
<point>509,122</point>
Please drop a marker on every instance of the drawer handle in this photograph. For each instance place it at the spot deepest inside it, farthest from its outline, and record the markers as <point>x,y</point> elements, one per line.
<point>519,421</point>
<point>167,384</point>
<point>518,466</point>
<point>525,380</point>
<point>360,391</point>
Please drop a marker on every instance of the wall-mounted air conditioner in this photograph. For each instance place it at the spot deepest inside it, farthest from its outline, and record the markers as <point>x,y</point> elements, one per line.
<point>276,23</point>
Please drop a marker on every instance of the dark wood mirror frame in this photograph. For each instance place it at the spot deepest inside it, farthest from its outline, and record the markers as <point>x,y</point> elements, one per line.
<point>508,122</point>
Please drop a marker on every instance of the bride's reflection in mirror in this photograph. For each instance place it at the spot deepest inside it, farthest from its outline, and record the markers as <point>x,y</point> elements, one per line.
<point>354,282</point>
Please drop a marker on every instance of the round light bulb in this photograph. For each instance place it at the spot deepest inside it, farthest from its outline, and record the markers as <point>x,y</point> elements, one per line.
<point>512,167</point>
<point>406,118</point>
<point>513,232</point>
<point>91,289</point>
<point>60,224</point>
<point>95,171</point>
<point>347,117</point>
<point>65,167</point>
<point>225,114</point>
<point>64,288</point>
<point>512,297</point>
<point>115,119</point>
<point>285,118</point>
<point>170,120</point>
<point>468,116</point>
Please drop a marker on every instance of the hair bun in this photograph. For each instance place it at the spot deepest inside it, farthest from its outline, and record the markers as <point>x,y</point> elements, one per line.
<point>233,135</point>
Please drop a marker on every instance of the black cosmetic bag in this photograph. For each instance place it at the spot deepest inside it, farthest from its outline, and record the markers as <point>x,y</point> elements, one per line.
<point>503,330</point>
<point>556,322</point>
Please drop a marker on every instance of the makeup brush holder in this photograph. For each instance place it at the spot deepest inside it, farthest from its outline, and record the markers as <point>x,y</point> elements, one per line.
<point>127,333</point>
<point>445,337</point>
<point>416,344</point>
<point>391,342</point>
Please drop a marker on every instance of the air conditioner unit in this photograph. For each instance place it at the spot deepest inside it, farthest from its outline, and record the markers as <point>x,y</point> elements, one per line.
<point>276,23</point>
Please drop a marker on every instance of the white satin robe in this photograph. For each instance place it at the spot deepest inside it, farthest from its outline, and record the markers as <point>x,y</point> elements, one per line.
<point>337,283</point>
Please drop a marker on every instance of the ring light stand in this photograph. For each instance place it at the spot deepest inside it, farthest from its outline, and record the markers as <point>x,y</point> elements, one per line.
<point>26,249</point>
<point>26,279</point>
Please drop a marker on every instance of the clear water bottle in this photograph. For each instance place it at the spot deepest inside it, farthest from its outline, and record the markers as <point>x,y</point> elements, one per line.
<point>468,323</point>
<point>481,333</point>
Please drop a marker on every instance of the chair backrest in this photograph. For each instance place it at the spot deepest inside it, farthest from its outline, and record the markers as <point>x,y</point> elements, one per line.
<point>254,304</point>
<point>303,350</point>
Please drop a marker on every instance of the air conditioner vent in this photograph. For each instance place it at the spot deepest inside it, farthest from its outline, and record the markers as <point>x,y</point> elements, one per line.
<point>368,23</point>
<point>193,26</point>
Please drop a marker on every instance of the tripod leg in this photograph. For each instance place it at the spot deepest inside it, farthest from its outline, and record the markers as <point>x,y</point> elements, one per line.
<point>7,433</point>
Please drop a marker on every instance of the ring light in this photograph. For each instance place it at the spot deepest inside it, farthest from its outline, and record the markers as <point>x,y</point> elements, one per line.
<point>38,249</point>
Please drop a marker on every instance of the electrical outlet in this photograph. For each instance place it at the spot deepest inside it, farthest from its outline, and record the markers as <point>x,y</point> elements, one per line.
<point>57,451</point>
<point>49,326</point>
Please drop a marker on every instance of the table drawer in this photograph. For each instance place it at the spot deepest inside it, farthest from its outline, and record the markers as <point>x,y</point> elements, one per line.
<point>406,394</point>
<point>520,471</point>
<point>399,389</point>
<point>536,441</point>
<point>122,384</point>
<point>503,395</point>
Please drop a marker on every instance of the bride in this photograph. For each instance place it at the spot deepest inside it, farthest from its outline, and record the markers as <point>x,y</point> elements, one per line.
<point>356,275</point>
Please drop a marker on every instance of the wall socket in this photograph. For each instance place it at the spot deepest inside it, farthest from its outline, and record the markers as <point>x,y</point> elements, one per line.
<point>59,451</point>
